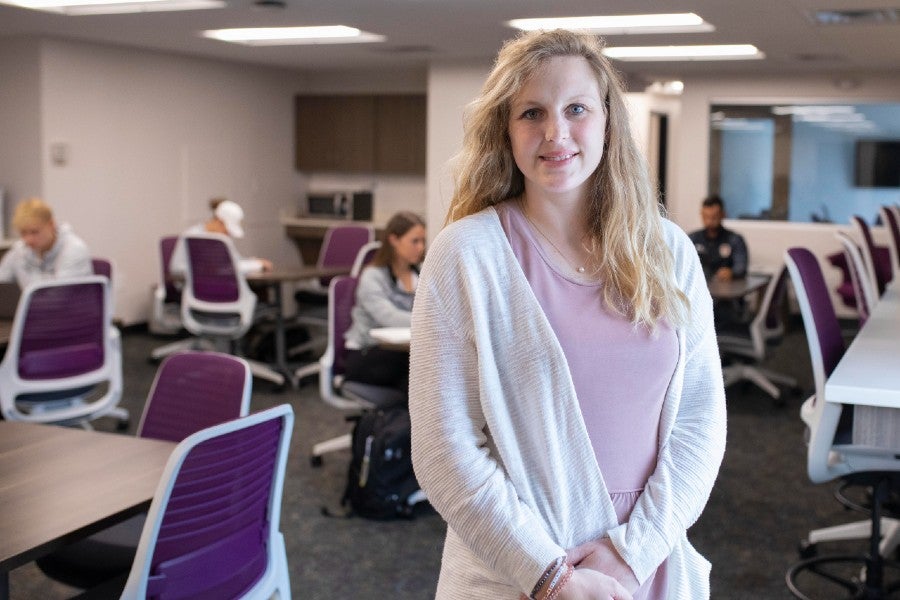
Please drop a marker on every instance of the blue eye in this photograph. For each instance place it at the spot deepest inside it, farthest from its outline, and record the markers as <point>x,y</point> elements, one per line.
<point>577,109</point>
<point>530,114</point>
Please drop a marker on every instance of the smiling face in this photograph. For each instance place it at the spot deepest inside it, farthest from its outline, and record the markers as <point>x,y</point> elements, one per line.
<point>557,127</point>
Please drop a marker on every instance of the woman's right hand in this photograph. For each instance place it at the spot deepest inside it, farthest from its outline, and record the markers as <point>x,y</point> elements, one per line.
<point>587,584</point>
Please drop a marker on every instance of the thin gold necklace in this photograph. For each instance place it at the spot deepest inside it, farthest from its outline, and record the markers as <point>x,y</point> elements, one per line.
<point>549,241</point>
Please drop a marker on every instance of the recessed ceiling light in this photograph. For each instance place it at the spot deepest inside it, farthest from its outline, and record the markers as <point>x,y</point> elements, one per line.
<point>275,36</point>
<point>620,24</point>
<point>102,7</point>
<point>667,53</point>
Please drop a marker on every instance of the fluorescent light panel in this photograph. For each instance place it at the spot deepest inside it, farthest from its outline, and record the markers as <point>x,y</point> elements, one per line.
<point>99,7</point>
<point>275,36</point>
<point>620,24</point>
<point>669,53</point>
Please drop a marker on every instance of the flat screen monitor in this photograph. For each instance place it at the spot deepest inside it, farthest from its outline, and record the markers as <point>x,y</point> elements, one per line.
<point>877,163</point>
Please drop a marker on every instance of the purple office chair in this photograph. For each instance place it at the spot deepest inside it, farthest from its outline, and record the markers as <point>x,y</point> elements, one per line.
<point>191,391</point>
<point>831,453</point>
<point>333,388</point>
<point>877,258</point>
<point>341,245</point>
<point>61,348</point>
<point>217,305</point>
<point>340,248</point>
<point>213,526</point>
<point>102,266</point>
<point>864,294</point>
<point>890,216</point>
<point>165,315</point>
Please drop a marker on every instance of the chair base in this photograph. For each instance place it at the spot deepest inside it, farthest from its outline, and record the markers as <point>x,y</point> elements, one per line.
<point>841,577</point>
<point>765,379</point>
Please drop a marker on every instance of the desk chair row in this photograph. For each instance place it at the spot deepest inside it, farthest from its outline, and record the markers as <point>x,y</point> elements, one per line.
<point>212,529</point>
<point>833,455</point>
<point>216,305</point>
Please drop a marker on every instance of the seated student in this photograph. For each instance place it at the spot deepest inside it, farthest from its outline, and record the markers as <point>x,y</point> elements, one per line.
<point>723,253</point>
<point>384,298</point>
<point>45,250</point>
<point>226,219</point>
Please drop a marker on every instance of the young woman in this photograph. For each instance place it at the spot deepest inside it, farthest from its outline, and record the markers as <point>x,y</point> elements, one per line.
<point>567,401</point>
<point>384,298</point>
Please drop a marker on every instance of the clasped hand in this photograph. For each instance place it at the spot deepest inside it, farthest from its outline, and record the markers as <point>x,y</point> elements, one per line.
<point>600,573</point>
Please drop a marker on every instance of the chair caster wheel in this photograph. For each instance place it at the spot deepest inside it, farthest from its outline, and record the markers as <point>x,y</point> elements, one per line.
<point>807,550</point>
<point>315,461</point>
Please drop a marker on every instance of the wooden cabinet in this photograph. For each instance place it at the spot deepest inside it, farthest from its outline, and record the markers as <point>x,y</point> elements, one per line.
<point>362,134</point>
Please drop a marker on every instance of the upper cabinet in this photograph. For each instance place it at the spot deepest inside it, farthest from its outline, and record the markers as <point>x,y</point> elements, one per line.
<point>362,134</point>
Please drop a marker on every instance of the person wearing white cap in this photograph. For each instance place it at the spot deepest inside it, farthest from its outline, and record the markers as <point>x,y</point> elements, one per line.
<point>226,219</point>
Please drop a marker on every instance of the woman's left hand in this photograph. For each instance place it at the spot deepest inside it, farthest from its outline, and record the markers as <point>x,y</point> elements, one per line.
<point>602,556</point>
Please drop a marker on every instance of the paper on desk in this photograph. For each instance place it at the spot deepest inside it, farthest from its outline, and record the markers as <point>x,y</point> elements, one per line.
<point>391,335</point>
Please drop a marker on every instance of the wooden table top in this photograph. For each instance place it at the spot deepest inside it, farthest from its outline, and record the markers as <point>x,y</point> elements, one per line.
<point>58,485</point>
<point>279,275</point>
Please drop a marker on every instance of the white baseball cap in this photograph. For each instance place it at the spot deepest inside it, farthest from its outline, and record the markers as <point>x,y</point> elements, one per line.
<point>231,214</point>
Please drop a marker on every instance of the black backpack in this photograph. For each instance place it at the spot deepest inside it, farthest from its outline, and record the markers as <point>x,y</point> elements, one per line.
<point>380,479</point>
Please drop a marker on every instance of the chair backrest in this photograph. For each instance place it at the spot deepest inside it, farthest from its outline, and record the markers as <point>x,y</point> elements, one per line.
<point>60,342</point>
<point>216,300</point>
<point>341,298</point>
<point>862,284</point>
<point>193,391</point>
<point>212,530</point>
<point>341,245</point>
<point>102,266</point>
<point>364,257</point>
<point>879,270</point>
<point>826,347</point>
<point>768,323</point>
<point>889,216</point>
<point>166,249</point>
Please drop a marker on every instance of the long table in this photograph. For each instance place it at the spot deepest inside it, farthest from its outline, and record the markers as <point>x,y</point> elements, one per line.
<point>868,375</point>
<point>59,485</point>
<point>869,372</point>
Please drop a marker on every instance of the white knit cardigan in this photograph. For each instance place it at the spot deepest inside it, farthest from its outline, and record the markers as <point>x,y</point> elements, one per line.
<point>499,444</point>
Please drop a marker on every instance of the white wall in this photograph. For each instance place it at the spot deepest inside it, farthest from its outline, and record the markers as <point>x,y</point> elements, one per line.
<point>150,139</point>
<point>20,172</point>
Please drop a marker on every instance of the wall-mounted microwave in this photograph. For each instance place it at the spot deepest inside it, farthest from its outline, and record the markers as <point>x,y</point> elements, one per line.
<point>353,206</point>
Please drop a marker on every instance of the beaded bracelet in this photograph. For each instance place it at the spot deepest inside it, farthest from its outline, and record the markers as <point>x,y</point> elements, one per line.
<point>554,567</point>
<point>557,586</point>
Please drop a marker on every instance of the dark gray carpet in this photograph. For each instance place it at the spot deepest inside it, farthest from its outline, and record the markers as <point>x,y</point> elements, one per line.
<point>762,505</point>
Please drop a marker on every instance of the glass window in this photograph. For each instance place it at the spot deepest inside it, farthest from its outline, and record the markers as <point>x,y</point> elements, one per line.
<point>805,162</point>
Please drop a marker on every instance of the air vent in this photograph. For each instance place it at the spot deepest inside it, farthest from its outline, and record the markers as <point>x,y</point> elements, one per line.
<point>858,16</point>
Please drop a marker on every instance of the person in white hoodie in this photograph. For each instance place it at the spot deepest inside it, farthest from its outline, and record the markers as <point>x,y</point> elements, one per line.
<point>566,396</point>
<point>45,249</point>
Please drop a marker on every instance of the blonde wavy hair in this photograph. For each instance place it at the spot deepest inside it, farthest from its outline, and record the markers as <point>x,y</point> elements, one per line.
<point>623,214</point>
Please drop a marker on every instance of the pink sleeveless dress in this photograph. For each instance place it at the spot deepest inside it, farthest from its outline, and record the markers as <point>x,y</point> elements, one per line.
<point>620,373</point>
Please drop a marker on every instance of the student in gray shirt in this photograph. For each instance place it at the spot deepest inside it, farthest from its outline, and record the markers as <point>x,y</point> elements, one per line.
<point>384,298</point>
